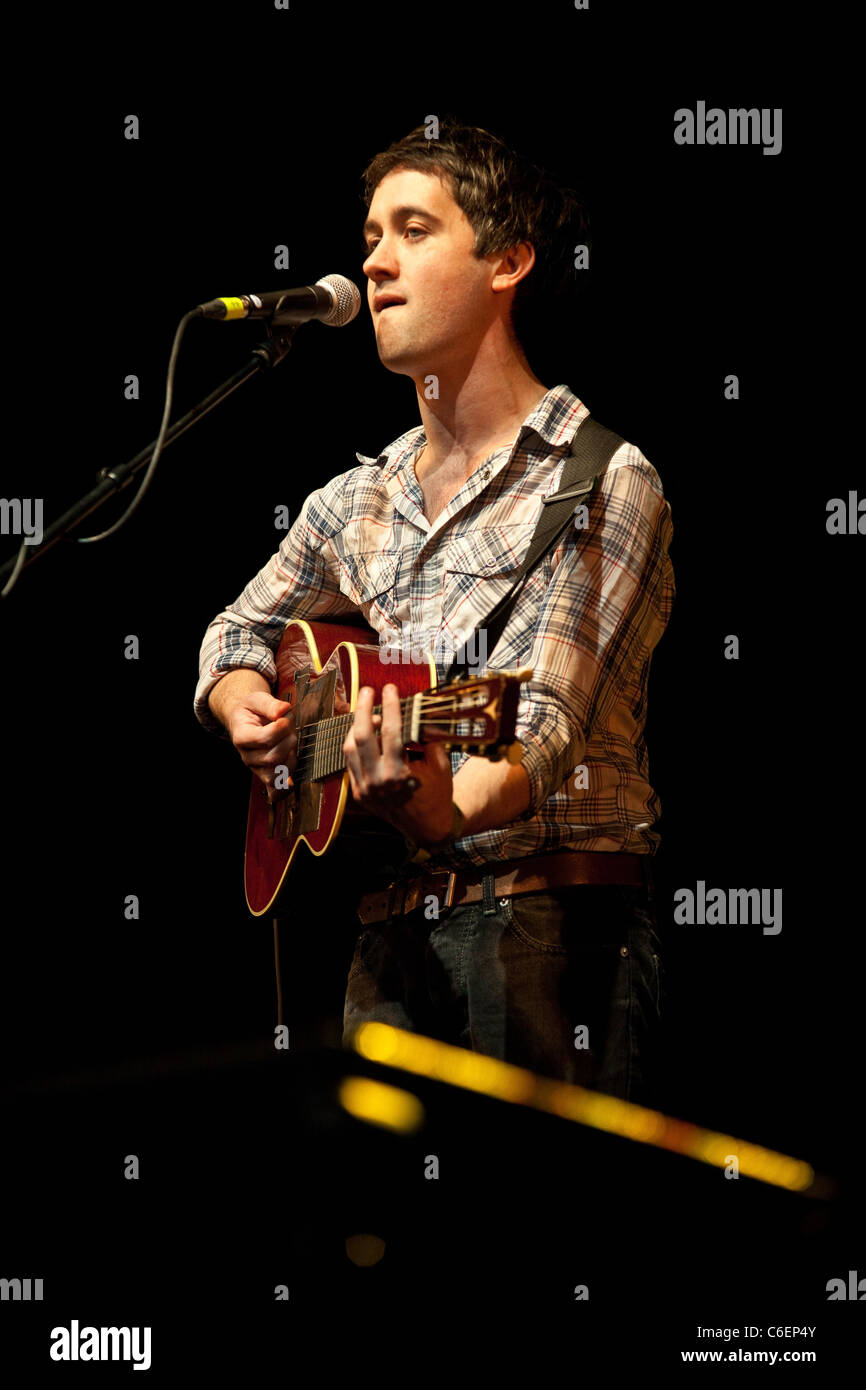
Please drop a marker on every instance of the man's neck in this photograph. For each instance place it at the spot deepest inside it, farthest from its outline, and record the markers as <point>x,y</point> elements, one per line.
<point>476,413</point>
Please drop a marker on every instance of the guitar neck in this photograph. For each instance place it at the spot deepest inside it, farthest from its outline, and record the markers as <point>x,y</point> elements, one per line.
<point>320,745</point>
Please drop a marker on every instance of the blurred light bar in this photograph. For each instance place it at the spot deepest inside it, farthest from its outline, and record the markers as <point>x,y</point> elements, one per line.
<point>472,1071</point>
<point>378,1104</point>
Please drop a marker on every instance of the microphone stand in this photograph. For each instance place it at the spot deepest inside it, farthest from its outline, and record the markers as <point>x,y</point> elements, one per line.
<point>114,480</point>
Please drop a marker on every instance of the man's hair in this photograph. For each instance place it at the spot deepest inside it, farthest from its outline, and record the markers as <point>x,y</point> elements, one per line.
<point>506,199</point>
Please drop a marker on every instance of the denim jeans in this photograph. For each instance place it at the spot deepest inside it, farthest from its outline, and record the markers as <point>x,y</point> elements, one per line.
<point>567,983</point>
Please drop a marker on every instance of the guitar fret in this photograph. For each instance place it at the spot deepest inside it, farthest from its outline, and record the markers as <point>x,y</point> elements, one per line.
<point>325,757</point>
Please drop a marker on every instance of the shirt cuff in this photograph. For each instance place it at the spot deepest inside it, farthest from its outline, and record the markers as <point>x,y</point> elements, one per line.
<point>546,773</point>
<point>203,712</point>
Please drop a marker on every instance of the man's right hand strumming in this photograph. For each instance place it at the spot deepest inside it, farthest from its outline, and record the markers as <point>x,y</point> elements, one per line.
<point>261,727</point>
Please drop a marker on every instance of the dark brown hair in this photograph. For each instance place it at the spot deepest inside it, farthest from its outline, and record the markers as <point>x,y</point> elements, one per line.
<point>506,199</point>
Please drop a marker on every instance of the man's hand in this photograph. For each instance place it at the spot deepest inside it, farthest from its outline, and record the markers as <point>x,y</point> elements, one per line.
<point>415,797</point>
<point>262,729</point>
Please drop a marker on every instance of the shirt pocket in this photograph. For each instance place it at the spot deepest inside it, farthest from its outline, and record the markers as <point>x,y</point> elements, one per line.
<point>481,567</point>
<point>369,579</point>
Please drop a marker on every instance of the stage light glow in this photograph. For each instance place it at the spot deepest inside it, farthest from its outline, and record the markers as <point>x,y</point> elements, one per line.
<point>365,1250</point>
<point>472,1071</point>
<point>379,1104</point>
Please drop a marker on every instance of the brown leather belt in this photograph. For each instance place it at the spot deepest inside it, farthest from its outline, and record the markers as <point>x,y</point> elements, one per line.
<point>511,877</point>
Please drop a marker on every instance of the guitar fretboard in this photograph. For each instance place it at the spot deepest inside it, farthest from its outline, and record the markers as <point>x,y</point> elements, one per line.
<point>320,745</point>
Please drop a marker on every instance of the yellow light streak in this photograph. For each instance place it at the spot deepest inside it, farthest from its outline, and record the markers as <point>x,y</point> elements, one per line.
<point>379,1104</point>
<point>472,1071</point>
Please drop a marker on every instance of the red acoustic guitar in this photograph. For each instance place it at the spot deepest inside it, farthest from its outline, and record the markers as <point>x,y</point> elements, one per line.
<point>316,664</point>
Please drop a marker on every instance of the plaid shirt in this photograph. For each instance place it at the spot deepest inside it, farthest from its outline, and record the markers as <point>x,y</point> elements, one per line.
<point>587,620</point>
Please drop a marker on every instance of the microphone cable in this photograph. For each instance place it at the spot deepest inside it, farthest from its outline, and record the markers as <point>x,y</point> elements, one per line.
<point>160,439</point>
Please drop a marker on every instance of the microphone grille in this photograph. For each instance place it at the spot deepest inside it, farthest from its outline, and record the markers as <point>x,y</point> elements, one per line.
<point>347,300</point>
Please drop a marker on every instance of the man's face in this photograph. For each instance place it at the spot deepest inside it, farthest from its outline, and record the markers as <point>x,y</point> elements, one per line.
<point>420,250</point>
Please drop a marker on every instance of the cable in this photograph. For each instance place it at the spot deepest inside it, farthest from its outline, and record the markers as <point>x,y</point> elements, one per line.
<point>19,565</point>
<point>151,467</point>
<point>277,969</point>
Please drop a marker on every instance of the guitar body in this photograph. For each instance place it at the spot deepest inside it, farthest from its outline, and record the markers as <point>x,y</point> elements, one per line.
<point>316,662</point>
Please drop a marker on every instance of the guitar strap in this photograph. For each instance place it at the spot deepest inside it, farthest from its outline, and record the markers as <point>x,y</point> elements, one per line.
<point>591,451</point>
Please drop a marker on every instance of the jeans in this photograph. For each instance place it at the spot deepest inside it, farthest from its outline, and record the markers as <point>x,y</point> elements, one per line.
<point>567,983</point>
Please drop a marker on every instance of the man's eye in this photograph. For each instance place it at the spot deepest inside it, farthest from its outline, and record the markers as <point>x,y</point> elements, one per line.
<point>370,246</point>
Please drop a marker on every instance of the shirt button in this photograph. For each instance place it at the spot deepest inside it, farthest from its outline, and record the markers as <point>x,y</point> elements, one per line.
<point>623,950</point>
<point>486,474</point>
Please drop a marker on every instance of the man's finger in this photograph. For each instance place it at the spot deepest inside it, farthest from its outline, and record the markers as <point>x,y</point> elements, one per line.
<point>364,736</point>
<point>393,753</point>
<point>260,703</point>
<point>264,735</point>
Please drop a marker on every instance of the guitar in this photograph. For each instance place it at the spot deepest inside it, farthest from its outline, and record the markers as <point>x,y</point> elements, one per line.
<point>317,663</point>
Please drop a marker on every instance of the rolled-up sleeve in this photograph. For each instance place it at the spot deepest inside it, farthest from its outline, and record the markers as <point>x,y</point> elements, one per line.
<point>301,580</point>
<point>606,608</point>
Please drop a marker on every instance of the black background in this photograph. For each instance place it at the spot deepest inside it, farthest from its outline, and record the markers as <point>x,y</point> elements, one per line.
<point>704,264</point>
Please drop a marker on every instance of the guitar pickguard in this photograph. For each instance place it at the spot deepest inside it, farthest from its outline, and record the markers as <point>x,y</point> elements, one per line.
<point>314,700</point>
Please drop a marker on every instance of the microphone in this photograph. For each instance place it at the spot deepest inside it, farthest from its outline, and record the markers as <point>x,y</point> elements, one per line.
<point>333,300</point>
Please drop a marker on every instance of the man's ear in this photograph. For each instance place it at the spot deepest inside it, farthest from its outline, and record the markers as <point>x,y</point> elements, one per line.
<point>514,265</point>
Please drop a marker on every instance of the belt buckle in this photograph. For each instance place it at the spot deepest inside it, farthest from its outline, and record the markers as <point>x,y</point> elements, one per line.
<point>391,897</point>
<point>449,887</point>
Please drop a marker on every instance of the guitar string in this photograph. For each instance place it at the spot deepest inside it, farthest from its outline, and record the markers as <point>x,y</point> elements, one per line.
<point>335,727</point>
<point>321,763</point>
<point>340,722</point>
<point>320,747</point>
<point>327,746</point>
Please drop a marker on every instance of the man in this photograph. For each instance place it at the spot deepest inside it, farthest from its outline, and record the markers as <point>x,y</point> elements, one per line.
<point>466,247</point>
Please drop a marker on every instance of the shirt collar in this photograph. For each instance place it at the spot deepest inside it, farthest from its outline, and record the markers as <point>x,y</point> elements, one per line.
<point>554,420</point>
